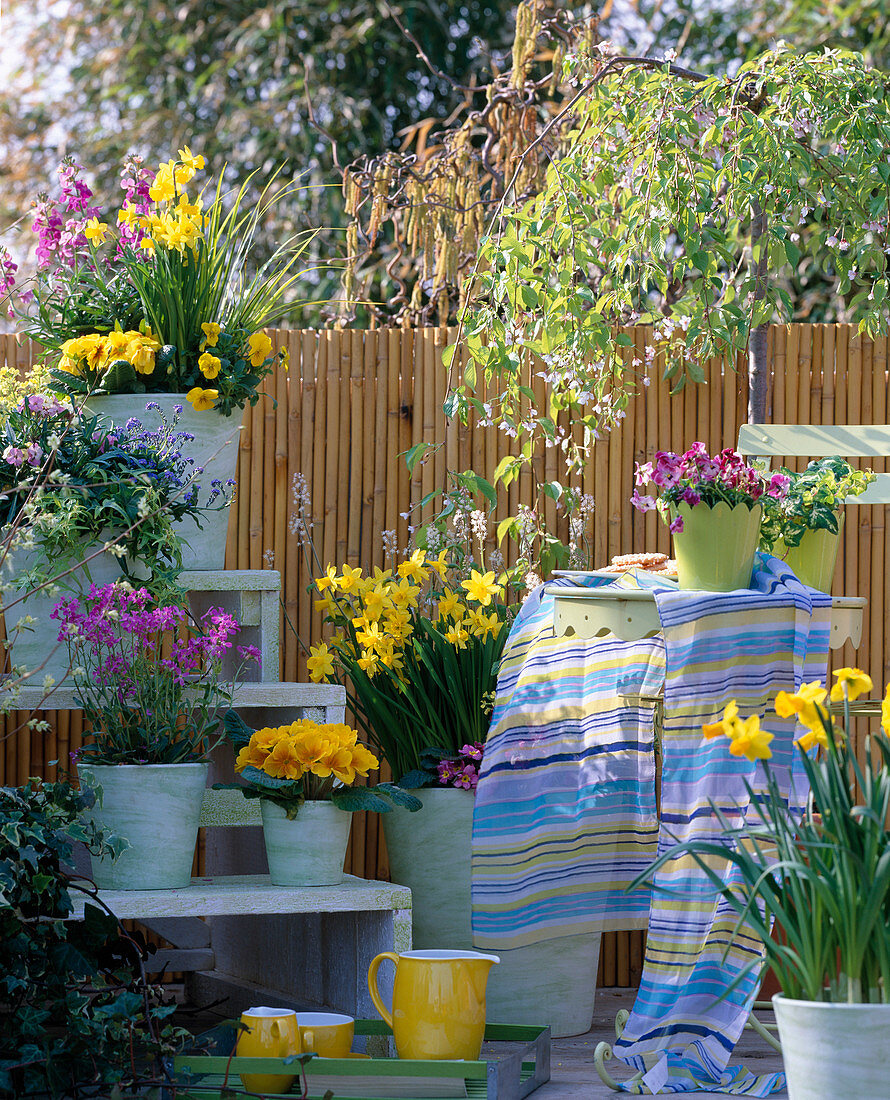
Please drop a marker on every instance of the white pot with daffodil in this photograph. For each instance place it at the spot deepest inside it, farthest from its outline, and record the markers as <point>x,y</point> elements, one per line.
<point>304,775</point>
<point>823,878</point>
<point>163,303</point>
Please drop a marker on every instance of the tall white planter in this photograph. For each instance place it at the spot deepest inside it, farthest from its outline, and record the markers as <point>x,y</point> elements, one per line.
<point>157,808</point>
<point>553,982</point>
<point>309,849</point>
<point>834,1051</point>
<point>215,447</point>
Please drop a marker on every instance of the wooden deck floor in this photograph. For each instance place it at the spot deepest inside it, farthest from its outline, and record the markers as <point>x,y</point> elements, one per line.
<point>574,1076</point>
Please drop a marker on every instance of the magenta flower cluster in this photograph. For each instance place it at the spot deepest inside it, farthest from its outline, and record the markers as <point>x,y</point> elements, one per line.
<point>462,772</point>
<point>699,478</point>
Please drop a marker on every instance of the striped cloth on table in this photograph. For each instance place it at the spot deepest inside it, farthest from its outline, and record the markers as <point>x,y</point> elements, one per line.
<point>565,814</point>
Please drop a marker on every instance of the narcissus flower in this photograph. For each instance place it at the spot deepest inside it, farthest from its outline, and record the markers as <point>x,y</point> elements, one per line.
<point>320,663</point>
<point>201,399</point>
<point>95,231</point>
<point>851,683</point>
<point>806,703</point>
<point>481,587</point>
<point>748,739</point>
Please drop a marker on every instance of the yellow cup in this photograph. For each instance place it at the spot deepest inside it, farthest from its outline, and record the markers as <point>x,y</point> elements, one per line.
<point>438,1002</point>
<point>271,1033</point>
<point>327,1034</point>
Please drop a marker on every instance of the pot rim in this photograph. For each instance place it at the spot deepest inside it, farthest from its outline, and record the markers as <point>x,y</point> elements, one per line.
<point>145,767</point>
<point>833,1005</point>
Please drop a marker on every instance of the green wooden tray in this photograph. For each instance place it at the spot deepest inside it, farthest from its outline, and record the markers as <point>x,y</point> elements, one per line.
<point>515,1061</point>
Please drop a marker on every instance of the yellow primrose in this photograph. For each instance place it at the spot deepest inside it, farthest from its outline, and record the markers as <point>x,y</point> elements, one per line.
<point>284,762</point>
<point>320,663</point>
<point>481,587</point>
<point>251,755</point>
<point>201,399</point>
<point>211,332</point>
<point>851,683</point>
<point>209,365</point>
<point>260,348</point>
<point>750,741</point>
<point>95,231</point>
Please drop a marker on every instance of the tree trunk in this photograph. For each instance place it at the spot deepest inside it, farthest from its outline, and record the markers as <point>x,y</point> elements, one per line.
<point>758,364</point>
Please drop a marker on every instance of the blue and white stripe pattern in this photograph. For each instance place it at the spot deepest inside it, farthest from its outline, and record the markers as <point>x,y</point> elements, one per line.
<point>569,762</point>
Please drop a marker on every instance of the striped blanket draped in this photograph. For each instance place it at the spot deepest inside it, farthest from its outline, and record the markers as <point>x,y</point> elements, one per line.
<point>565,816</point>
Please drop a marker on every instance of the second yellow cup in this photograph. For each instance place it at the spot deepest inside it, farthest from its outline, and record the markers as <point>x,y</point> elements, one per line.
<point>327,1034</point>
<point>271,1033</point>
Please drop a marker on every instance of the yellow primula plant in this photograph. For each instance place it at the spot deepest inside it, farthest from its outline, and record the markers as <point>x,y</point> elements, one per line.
<point>166,296</point>
<point>823,875</point>
<point>309,761</point>
<point>417,646</point>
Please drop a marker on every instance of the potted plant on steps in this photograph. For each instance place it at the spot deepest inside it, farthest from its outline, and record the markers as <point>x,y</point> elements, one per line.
<point>304,775</point>
<point>418,647</point>
<point>88,503</point>
<point>713,507</point>
<point>163,301</point>
<point>154,721</point>
<point>824,879</point>
<point>804,526</point>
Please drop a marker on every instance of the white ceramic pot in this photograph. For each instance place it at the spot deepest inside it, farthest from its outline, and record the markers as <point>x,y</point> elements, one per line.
<point>37,648</point>
<point>309,849</point>
<point>553,982</point>
<point>215,448</point>
<point>157,808</point>
<point>834,1051</point>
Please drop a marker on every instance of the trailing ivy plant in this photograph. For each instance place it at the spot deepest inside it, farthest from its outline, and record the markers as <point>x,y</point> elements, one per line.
<point>77,1018</point>
<point>682,201</point>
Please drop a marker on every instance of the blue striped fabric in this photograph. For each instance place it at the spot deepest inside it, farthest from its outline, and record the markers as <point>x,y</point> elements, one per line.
<point>543,866</point>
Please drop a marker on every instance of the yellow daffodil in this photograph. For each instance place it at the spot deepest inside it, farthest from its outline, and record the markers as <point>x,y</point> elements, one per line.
<point>726,725</point>
<point>190,160</point>
<point>327,581</point>
<point>201,399</point>
<point>750,741</point>
<point>147,245</point>
<point>404,594</point>
<point>885,712</point>
<point>326,605</point>
<point>812,738</point>
<point>211,332</point>
<point>490,624</point>
<point>260,348</point>
<point>349,579</point>
<point>458,636</point>
<point>439,565</point>
<point>851,683</point>
<point>368,663</point>
<point>128,216</point>
<point>375,603</point>
<point>412,569</point>
<point>449,604</point>
<point>481,587</point>
<point>209,365</point>
<point>95,231</point>
<point>320,663</point>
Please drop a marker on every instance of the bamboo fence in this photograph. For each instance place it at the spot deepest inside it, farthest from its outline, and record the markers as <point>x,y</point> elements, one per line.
<point>353,402</point>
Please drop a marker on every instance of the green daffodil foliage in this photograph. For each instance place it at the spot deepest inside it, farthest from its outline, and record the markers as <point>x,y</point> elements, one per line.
<point>685,201</point>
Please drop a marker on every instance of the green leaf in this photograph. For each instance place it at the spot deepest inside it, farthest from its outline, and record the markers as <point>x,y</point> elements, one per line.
<point>237,730</point>
<point>415,454</point>
<point>261,779</point>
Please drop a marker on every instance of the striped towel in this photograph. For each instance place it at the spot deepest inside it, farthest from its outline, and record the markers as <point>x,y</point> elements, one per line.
<point>566,705</point>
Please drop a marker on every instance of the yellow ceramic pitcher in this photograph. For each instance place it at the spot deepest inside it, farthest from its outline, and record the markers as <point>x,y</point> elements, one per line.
<point>438,1002</point>
<point>271,1033</point>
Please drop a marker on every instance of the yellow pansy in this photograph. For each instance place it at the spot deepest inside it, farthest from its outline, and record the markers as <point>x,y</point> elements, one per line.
<point>95,231</point>
<point>201,399</point>
<point>481,587</point>
<point>320,663</point>
<point>209,365</point>
<point>143,359</point>
<point>260,348</point>
<point>851,683</point>
<point>750,741</point>
<point>211,332</point>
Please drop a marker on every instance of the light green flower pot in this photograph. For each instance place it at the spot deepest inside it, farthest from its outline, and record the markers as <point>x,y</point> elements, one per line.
<point>215,448</point>
<point>157,809</point>
<point>552,983</point>
<point>813,561</point>
<point>715,550</point>
<point>308,850</point>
